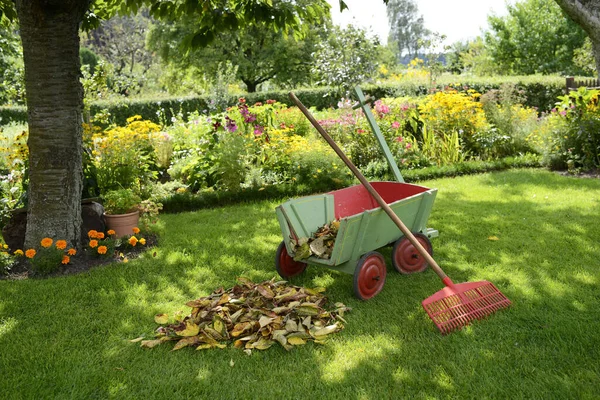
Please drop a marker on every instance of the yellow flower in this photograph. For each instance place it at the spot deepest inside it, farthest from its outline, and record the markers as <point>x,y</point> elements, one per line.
<point>5,246</point>
<point>93,243</point>
<point>92,234</point>
<point>133,241</point>
<point>19,253</point>
<point>143,241</point>
<point>72,252</point>
<point>136,230</point>
<point>66,259</point>
<point>102,249</point>
<point>46,242</point>
<point>125,260</point>
<point>61,244</point>
<point>30,253</point>
<point>110,232</point>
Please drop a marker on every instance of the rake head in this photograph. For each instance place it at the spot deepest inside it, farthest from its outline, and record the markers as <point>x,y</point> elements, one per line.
<point>456,305</point>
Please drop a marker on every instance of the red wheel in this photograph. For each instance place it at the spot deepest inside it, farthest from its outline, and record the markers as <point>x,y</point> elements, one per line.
<point>406,258</point>
<point>369,275</point>
<point>285,264</point>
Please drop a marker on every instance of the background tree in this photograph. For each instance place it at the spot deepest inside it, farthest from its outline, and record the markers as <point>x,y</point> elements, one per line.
<point>584,58</point>
<point>11,65</point>
<point>49,31</point>
<point>121,41</point>
<point>586,13</point>
<point>407,27</point>
<point>477,59</point>
<point>347,58</point>
<point>535,37</point>
<point>260,55</point>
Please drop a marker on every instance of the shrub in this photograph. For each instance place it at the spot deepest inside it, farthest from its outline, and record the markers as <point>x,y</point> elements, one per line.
<point>577,144</point>
<point>121,201</point>
<point>124,156</point>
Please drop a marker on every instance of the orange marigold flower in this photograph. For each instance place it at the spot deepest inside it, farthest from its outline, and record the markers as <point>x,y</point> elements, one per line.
<point>133,240</point>
<point>19,252</point>
<point>30,253</point>
<point>46,242</point>
<point>143,241</point>
<point>102,249</point>
<point>100,235</point>
<point>93,243</point>
<point>61,244</point>
<point>92,234</point>
<point>110,232</point>
<point>66,259</point>
<point>72,252</point>
<point>136,230</point>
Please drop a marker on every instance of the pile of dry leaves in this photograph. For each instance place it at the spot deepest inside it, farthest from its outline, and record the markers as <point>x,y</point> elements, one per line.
<point>319,245</point>
<point>252,316</point>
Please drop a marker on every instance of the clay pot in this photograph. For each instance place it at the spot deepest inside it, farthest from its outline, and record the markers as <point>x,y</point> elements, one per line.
<point>122,224</point>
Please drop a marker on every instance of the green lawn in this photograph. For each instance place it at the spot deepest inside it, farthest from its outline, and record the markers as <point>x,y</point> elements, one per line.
<point>69,337</point>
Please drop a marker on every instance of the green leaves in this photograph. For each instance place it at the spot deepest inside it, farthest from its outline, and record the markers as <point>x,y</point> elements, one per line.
<point>253,316</point>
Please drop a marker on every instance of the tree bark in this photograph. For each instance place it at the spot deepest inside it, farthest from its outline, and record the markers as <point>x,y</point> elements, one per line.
<point>586,13</point>
<point>50,35</point>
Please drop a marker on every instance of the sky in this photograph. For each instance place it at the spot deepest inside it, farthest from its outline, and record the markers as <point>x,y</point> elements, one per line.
<point>457,19</point>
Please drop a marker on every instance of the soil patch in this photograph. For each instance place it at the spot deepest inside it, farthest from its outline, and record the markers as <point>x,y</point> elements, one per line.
<point>80,263</point>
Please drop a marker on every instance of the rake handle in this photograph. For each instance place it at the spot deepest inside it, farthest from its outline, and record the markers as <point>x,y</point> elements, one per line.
<point>413,240</point>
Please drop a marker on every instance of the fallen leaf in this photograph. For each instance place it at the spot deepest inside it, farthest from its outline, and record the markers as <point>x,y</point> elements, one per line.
<point>190,329</point>
<point>493,238</point>
<point>161,319</point>
<point>139,339</point>
<point>296,341</point>
<point>188,341</point>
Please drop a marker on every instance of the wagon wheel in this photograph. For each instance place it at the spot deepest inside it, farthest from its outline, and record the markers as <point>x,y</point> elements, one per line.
<point>369,275</point>
<point>406,258</point>
<point>285,264</point>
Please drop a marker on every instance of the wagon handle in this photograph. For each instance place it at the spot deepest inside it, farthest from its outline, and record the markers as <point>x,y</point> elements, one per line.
<point>434,265</point>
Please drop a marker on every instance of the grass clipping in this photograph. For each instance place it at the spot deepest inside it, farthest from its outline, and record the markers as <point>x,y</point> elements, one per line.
<point>252,316</point>
<point>319,245</point>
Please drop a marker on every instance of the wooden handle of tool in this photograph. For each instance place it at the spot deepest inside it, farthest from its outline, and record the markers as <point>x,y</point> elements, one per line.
<point>371,190</point>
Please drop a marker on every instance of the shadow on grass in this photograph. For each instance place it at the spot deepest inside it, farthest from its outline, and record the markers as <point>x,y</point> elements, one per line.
<point>68,337</point>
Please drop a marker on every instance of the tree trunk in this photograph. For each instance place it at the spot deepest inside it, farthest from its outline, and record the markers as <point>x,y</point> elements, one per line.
<point>250,85</point>
<point>50,35</point>
<point>586,14</point>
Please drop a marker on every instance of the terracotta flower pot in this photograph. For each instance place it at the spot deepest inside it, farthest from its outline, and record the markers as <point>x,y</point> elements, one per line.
<point>122,224</point>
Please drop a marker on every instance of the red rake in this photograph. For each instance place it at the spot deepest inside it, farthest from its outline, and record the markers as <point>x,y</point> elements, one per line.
<point>456,305</point>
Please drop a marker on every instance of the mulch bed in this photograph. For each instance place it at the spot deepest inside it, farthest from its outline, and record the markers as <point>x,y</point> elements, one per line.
<point>594,173</point>
<point>81,262</point>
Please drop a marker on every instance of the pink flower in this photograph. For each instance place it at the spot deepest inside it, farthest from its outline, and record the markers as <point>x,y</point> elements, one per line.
<point>359,130</point>
<point>399,139</point>
<point>408,146</point>
<point>395,125</point>
<point>258,130</point>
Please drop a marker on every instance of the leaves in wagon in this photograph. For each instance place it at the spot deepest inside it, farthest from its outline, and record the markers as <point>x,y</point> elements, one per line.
<point>252,316</point>
<point>319,245</point>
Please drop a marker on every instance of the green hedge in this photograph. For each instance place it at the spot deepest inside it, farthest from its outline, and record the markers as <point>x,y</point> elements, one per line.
<point>8,114</point>
<point>539,91</point>
<point>189,202</point>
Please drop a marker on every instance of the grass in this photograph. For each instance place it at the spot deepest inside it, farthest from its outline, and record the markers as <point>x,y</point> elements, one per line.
<point>68,337</point>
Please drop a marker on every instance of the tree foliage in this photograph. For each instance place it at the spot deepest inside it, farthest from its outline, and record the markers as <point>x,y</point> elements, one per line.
<point>407,27</point>
<point>347,58</point>
<point>258,54</point>
<point>587,15</point>
<point>535,37</point>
